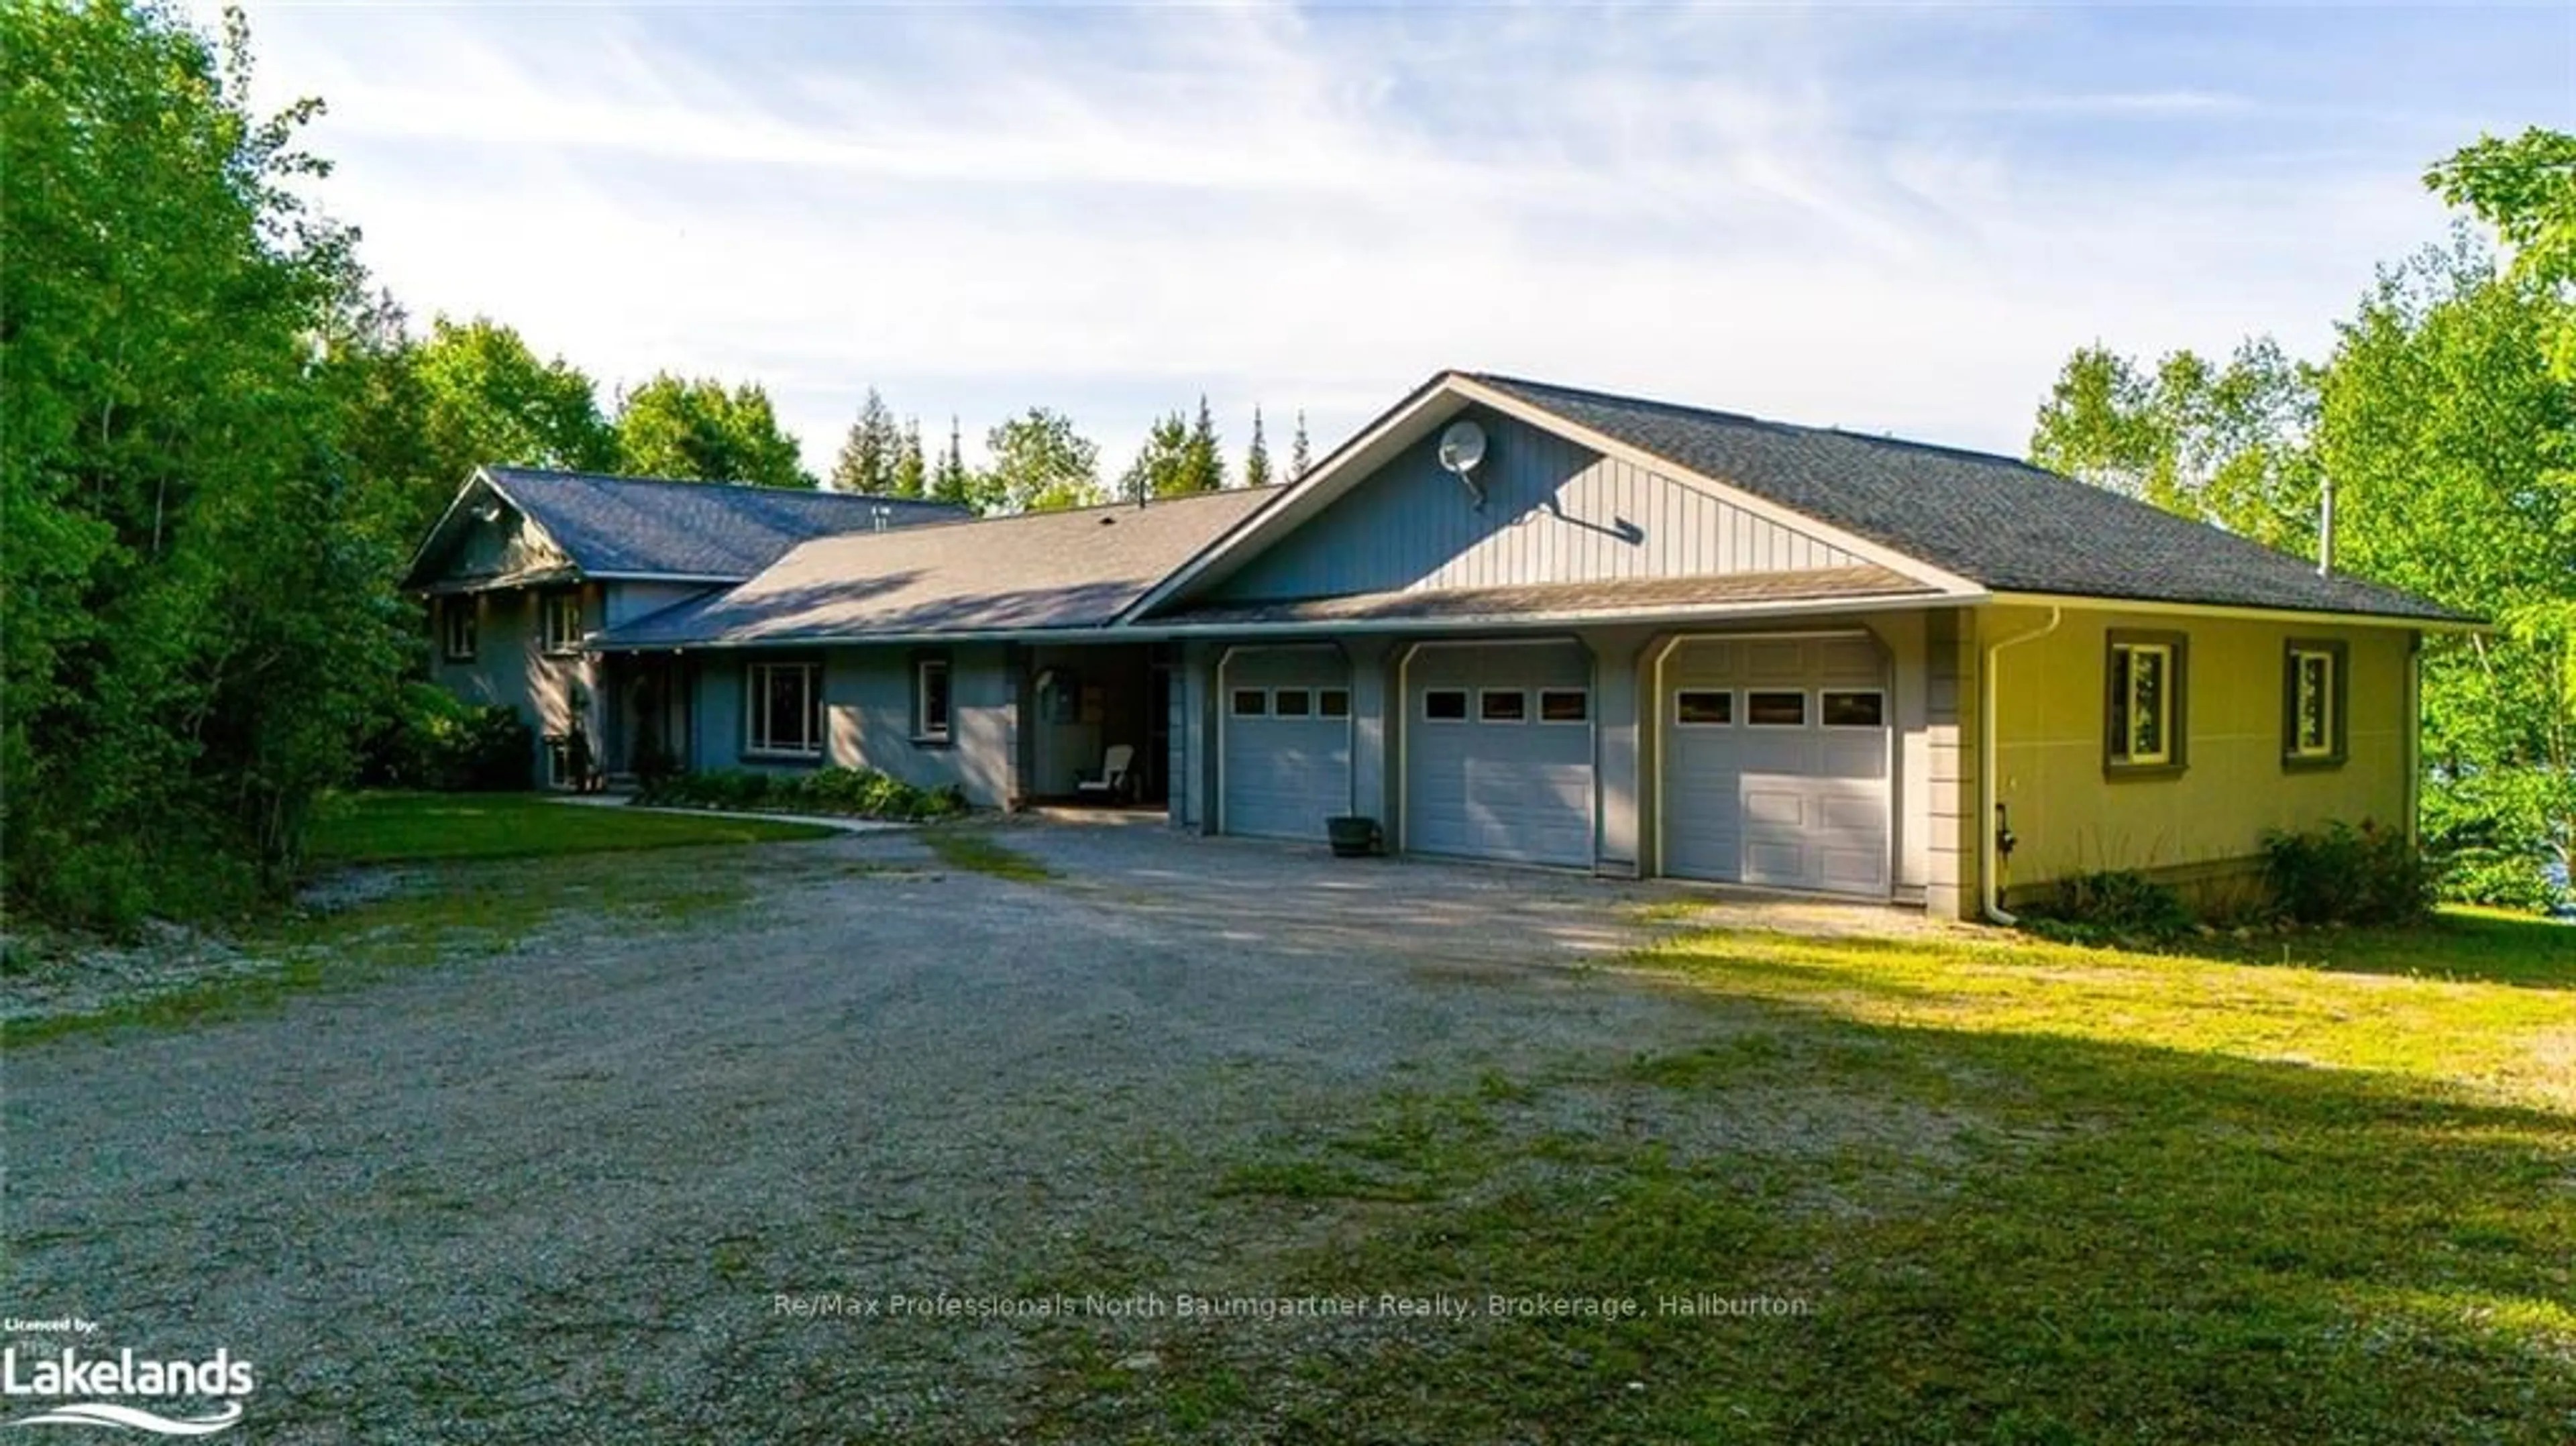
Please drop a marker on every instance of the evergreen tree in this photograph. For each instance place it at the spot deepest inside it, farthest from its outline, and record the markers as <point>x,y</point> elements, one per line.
<point>870,454</point>
<point>1203,466</point>
<point>950,481</point>
<point>1256,458</point>
<point>911,477</point>
<point>1162,465</point>
<point>1298,459</point>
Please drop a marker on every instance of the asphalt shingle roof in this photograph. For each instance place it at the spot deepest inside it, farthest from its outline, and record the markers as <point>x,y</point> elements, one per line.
<point>652,526</point>
<point>1999,522</point>
<point>1042,570</point>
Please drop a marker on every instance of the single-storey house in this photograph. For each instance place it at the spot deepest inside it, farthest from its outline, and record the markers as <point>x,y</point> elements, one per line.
<point>1532,624</point>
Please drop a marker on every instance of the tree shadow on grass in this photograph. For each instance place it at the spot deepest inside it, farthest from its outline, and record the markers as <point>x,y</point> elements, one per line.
<point>2127,1244</point>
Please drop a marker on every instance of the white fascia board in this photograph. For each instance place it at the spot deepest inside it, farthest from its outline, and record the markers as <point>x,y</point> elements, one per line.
<point>2091,602</point>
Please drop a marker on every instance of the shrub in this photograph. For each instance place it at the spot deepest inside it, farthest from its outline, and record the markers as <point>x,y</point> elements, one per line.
<point>2121,903</point>
<point>437,740</point>
<point>2345,875</point>
<point>860,792</point>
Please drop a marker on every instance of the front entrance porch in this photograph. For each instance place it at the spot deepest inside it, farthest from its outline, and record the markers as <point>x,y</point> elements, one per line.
<point>644,715</point>
<point>1084,708</point>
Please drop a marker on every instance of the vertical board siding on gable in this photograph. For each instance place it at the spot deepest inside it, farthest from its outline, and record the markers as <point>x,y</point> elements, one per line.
<point>1553,512</point>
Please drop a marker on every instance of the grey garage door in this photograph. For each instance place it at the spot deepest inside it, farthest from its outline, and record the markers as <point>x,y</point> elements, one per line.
<point>1775,762</point>
<point>1498,752</point>
<point>1286,759</point>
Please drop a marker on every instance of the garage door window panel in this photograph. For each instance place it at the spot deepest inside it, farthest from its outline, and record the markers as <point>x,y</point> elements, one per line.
<point>1704,707</point>
<point>1564,705</point>
<point>1333,703</point>
<point>1852,708</point>
<point>1292,703</point>
<point>1251,703</point>
<point>1502,705</point>
<point>1444,705</point>
<point>1767,708</point>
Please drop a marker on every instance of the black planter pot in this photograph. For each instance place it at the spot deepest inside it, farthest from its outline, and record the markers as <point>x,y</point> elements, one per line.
<point>1353,837</point>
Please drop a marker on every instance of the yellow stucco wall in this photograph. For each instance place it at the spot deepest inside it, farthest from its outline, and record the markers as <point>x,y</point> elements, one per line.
<point>2070,817</point>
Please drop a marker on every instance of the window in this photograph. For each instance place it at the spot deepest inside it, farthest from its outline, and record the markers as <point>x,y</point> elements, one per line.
<point>1333,703</point>
<point>1251,703</point>
<point>458,615</point>
<point>2312,704</point>
<point>1703,707</point>
<point>930,706</point>
<point>1564,705</point>
<point>1851,709</point>
<point>1503,705</point>
<point>2143,702</point>
<point>563,622</point>
<point>1293,703</point>
<point>785,701</point>
<point>1445,705</point>
<point>1775,710</point>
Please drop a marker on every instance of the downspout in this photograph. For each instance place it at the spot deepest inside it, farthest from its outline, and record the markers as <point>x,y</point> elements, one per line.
<point>1990,894</point>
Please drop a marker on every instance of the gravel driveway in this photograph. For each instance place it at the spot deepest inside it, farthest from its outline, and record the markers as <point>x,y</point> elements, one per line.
<point>632,1177</point>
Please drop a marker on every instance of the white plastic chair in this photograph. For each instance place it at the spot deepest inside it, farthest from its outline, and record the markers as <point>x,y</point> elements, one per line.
<point>1115,766</point>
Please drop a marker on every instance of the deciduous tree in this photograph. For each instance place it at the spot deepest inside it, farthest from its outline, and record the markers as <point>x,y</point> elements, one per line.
<point>1040,464</point>
<point>697,430</point>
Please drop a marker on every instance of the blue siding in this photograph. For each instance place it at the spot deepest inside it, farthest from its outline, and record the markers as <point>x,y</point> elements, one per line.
<point>1554,512</point>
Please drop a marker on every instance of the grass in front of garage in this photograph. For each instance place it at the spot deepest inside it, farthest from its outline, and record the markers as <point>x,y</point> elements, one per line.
<point>1945,1188</point>
<point>392,827</point>
<point>980,853</point>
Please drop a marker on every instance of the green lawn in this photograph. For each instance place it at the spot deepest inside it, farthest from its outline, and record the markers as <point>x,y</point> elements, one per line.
<point>376,828</point>
<point>2005,1192</point>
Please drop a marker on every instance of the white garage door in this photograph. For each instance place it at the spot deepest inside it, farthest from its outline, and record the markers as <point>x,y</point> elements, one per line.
<point>1498,752</point>
<point>1286,761</point>
<point>1775,763</point>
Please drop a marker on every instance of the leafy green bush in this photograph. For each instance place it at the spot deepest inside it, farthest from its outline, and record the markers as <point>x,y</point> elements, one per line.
<point>859,792</point>
<point>2113,903</point>
<point>2345,875</point>
<point>436,740</point>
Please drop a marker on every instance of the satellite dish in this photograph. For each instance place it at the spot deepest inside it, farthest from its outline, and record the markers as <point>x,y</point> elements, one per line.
<point>1461,448</point>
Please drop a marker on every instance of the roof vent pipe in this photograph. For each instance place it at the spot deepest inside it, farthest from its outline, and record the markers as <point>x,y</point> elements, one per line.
<point>2325,529</point>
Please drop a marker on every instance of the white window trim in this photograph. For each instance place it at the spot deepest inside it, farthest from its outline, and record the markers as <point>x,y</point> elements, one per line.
<point>1234,703</point>
<point>2325,747</point>
<point>922,731</point>
<point>1806,707</point>
<point>1521,693</point>
<point>1538,709</point>
<point>554,603</point>
<point>2129,755</point>
<point>1277,712</point>
<point>1466,705</point>
<point>1729,721</point>
<point>1879,693</point>
<point>461,608</point>
<point>755,689</point>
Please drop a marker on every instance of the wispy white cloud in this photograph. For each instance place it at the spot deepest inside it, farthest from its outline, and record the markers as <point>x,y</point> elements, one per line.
<point>1868,218</point>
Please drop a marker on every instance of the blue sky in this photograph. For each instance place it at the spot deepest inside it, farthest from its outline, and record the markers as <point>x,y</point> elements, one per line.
<point>1891,217</point>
